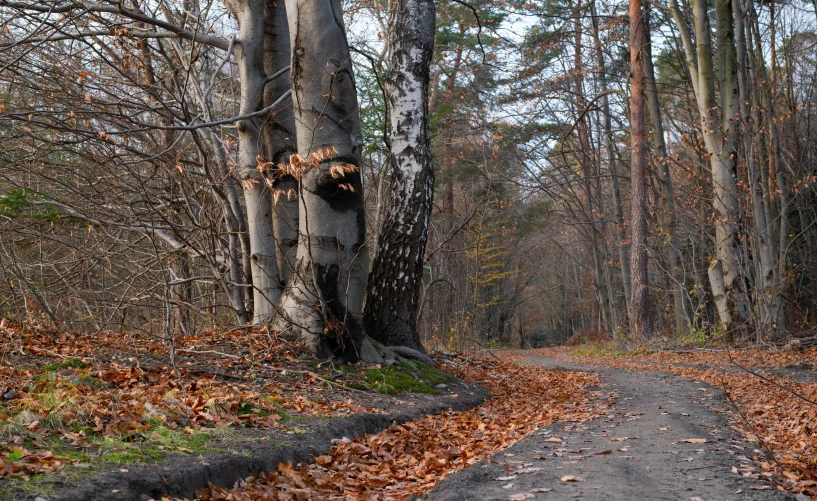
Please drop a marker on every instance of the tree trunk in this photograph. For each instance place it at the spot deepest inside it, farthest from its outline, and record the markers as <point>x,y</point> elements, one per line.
<point>249,56</point>
<point>596,237</point>
<point>620,234</point>
<point>680,312</point>
<point>448,260</point>
<point>719,145</point>
<point>323,301</point>
<point>279,139</point>
<point>640,303</point>
<point>392,300</point>
<point>777,319</point>
<point>764,283</point>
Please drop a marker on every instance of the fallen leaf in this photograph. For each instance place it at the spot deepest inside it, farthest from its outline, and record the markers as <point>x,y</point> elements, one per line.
<point>553,439</point>
<point>505,478</point>
<point>694,440</point>
<point>571,478</point>
<point>521,496</point>
<point>608,451</point>
<point>664,428</point>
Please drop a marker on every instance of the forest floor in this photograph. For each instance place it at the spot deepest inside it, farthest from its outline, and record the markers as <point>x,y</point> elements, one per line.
<point>90,417</point>
<point>108,417</point>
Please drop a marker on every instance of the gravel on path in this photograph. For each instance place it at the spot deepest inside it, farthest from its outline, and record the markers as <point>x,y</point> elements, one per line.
<point>664,439</point>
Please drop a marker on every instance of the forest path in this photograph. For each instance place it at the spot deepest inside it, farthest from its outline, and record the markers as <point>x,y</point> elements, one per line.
<point>648,447</point>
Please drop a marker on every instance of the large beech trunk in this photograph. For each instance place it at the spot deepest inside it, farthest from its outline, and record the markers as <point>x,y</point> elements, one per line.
<point>640,302</point>
<point>392,301</point>
<point>323,300</point>
<point>249,56</point>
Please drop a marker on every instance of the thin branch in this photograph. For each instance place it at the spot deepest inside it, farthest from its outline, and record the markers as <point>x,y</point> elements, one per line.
<point>479,26</point>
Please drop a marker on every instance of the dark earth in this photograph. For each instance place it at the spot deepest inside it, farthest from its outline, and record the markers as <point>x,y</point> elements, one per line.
<point>637,451</point>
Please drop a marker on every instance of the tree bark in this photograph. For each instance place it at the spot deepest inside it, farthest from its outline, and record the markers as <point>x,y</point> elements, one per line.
<point>323,301</point>
<point>620,233</point>
<point>680,312</point>
<point>640,304</point>
<point>719,145</point>
<point>249,56</point>
<point>397,272</point>
<point>279,139</point>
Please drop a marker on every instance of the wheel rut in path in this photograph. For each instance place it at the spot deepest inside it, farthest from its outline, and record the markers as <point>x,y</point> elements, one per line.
<point>636,451</point>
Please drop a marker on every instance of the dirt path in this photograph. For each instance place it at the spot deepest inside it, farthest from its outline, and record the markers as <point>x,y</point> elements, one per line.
<point>638,451</point>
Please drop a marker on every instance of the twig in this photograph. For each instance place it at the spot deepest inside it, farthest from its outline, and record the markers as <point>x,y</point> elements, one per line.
<point>479,25</point>
<point>750,425</point>
<point>764,378</point>
<point>273,368</point>
<point>214,352</point>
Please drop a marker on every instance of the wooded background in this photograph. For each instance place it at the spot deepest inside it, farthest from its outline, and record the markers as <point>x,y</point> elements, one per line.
<point>126,182</point>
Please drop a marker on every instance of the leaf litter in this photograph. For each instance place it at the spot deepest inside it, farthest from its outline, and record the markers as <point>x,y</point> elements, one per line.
<point>63,396</point>
<point>407,460</point>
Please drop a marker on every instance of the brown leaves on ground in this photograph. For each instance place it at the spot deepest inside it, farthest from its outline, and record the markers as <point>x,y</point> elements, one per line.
<point>79,389</point>
<point>407,460</point>
<point>768,413</point>
<point>23,462</point>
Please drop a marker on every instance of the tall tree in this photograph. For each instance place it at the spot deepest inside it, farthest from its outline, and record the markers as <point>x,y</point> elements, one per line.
<point>249,56</point>
<point>718,128</point>
<point>323,301</point>
<point>662,163</point>
<point>640,302</point>
<point>279,137</point>
<point>397,271</point>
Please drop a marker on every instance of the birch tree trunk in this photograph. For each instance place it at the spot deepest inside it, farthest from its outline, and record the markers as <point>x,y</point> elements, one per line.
<point>323,301</point>
<point>640,303</point>
<point>249,56</point>
<point>397,272</point>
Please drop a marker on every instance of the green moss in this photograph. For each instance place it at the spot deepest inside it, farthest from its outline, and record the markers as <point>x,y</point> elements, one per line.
<point>405,376</point>
<point>130,457</point>
<point>158,443</point>
<point>251,408</point>
<point>68,363</point>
